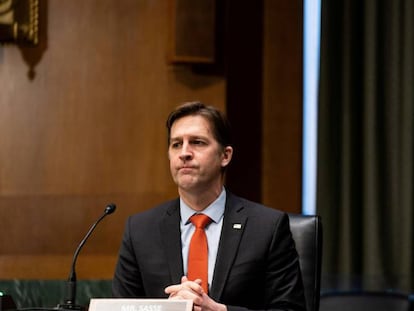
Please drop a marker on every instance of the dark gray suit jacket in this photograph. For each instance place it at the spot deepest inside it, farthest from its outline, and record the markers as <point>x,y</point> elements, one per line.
<point>257,266</point>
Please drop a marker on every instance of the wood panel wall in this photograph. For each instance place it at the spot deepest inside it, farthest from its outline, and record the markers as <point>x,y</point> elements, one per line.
<point>264,100</point>
<point>82,123</point>
<point>282,105</point>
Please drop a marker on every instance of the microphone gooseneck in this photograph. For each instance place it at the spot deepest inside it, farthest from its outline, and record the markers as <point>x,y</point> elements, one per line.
<point>70,301</point>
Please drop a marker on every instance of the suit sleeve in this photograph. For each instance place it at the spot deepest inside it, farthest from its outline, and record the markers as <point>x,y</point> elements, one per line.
<point>127,281</point>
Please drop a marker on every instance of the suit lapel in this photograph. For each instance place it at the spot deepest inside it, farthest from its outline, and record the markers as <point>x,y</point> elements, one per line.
<point>171,237</point>
<point>233,226</point>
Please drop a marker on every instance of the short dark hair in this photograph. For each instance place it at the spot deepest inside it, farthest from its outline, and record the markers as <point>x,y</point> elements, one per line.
<point>219,123</point>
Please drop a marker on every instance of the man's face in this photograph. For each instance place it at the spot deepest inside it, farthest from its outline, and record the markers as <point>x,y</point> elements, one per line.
<point>196,158</point>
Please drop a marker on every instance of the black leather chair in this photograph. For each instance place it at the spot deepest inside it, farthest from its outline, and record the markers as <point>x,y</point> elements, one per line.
<point>307,233</point>
<point>366,301</point>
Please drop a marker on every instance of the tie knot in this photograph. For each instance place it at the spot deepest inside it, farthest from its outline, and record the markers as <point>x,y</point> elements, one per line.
<point>200,220</point>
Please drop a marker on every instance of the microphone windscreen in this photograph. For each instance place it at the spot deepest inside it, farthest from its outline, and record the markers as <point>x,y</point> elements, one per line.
<point>110,208</point>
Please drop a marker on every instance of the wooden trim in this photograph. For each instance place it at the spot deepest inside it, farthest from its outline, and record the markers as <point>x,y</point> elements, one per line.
<point>50,266</point>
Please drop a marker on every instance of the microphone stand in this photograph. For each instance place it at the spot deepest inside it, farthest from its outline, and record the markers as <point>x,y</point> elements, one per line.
<point>70,301</point>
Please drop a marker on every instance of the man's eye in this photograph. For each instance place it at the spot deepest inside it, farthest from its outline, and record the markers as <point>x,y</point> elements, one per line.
<point>198,142</point>
<point>175,145</point>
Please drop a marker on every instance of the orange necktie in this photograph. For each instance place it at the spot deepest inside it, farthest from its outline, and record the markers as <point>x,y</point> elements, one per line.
<point>198,252</point>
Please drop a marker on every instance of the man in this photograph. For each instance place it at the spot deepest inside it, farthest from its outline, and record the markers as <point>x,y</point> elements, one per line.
<point>252,260</point>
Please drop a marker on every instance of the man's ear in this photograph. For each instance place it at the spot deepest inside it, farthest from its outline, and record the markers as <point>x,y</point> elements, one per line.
<point>227,156</point>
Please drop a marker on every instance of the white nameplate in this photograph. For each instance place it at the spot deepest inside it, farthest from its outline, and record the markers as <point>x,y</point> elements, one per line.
<point>132,304</point>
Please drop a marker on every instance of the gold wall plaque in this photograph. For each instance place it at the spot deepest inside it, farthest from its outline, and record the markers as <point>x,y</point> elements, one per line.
<point>19,21</point>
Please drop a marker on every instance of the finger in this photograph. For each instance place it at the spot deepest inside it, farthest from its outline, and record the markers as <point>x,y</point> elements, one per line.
<point>172,288</point>
<point>176,297</point>
<point>195,286</point>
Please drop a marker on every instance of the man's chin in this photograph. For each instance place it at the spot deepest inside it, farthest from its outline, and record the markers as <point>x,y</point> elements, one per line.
<point>187,184</point>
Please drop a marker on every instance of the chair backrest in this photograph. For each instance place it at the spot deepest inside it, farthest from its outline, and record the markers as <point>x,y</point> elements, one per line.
<point>365,301</point>
<point>307,234</point>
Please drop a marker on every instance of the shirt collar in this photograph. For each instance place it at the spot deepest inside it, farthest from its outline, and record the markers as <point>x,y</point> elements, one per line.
<point>215,210</point>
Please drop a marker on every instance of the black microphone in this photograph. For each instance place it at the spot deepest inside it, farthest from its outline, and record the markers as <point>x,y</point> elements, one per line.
<point>70,302</point>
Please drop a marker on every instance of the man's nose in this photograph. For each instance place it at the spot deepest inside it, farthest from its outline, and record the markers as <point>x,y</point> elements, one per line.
<point>186,153</point>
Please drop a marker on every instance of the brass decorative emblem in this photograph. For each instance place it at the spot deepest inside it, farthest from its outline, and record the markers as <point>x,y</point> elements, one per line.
<point>19,21</point>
